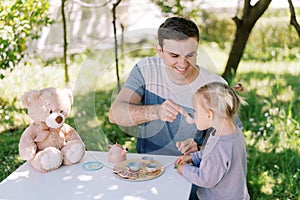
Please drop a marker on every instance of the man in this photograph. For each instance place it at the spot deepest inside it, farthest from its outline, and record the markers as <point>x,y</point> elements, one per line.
<point>157,95</point>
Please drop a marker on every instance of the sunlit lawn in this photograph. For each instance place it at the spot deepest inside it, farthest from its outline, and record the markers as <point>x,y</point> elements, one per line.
<point>271,120</point>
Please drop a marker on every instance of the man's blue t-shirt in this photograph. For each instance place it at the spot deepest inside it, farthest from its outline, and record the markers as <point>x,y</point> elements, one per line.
<point>150,80</point>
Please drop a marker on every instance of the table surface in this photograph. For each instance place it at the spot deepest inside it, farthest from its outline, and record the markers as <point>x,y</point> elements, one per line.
<point>75,182</point>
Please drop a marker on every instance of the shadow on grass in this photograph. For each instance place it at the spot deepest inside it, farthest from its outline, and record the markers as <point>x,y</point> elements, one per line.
<point>9,138</point>
<point>92,122</point>
<point>9,155</point>
<point>280,90</point>
<point>273,175</point>
<point>272,118</point>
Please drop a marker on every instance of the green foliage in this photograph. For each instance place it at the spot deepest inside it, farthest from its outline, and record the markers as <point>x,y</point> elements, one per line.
<point>10,115</point>
<point>10,118</point>
<point>272,38</point>
<point>20,21</point>
<point>271,125</point>
<point>183,8</point>
<point>9,155</point>
<point>216,28</point>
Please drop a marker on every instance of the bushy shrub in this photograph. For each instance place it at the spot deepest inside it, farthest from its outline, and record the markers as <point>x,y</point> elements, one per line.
<point>20,21</point>
<point>216,28</point>
<point>272,38</point>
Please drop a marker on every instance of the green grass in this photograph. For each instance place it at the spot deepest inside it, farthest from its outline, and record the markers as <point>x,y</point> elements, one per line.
<point>271,120</point>
<point>271,124</point>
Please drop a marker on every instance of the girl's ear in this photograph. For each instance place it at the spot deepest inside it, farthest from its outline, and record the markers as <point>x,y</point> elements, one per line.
<point>210,114</point>
<point>159,50</point>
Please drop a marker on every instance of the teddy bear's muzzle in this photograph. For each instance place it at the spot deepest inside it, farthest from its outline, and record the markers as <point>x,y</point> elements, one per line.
<point>55,120</point>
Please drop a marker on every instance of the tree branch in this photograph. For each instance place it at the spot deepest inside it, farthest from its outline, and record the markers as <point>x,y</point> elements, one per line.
<point>261,6</point>
<point>91,5</point>
<point>247,7</point>
<point>293,17</point>
<point>252,13</point>
<point>115,5</point>
<point>237,21</point>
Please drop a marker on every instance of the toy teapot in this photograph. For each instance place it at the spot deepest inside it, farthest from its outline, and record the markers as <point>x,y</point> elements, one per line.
<point>116,153</point>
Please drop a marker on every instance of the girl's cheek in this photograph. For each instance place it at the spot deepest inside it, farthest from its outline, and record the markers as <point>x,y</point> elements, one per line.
<point>196,121</point>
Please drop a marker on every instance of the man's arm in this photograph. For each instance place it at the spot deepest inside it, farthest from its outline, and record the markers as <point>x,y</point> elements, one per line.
<point>126,110</point>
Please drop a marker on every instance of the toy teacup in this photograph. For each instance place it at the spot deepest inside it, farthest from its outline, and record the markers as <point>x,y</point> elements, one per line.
<point>134,166</point>
<point>151,167</point>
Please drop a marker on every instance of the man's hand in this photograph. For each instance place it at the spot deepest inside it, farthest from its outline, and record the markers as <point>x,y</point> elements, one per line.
<point>187,116</point>
<point>168,110</point>
<point>187,146</point>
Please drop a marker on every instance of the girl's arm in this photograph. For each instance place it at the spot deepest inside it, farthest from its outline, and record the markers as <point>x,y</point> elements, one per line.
<point>181,161</point>
<point>207,175</point>
<point>196,158</point>
<point>184,159</point>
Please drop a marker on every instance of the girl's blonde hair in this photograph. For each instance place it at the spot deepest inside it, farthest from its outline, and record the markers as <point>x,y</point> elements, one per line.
<point>220,98</point>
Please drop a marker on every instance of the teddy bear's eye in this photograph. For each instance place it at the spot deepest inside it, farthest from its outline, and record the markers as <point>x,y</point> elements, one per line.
<point>51,111</point>
<point>61,111</point>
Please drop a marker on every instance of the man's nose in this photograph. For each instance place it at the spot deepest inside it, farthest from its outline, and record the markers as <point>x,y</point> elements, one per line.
<point>182,61</point>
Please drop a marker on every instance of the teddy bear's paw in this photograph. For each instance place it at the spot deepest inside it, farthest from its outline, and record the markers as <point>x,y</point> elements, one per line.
<point>73,153</point>
<point>48,159</point>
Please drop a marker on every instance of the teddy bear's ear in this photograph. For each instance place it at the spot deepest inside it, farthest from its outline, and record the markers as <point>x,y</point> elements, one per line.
<point>70,94</point>
<point>29,97</point>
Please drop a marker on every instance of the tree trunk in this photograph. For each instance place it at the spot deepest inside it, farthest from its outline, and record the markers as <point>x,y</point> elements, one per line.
<point>65,41</point>
<point>293,17</point>
<point>241,37</point>
<point>115,5</point>
<point>243,29</point>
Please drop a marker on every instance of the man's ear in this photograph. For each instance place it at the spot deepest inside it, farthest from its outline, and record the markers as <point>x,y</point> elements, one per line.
<point>159,50</point>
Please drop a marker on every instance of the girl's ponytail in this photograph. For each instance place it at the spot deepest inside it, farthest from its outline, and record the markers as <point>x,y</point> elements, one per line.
<point>222,99</point>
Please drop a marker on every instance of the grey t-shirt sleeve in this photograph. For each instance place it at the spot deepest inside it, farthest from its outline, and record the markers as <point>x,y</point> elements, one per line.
<point>135,81</point>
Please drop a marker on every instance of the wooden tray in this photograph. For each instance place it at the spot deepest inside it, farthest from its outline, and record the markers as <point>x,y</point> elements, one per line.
<point>122,171</point>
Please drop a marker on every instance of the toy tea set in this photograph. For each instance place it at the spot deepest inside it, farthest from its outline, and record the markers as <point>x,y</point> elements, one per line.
<point>140,169</point>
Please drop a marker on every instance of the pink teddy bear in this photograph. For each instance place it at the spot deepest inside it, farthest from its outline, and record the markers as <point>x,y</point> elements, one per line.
<point>49,142</point>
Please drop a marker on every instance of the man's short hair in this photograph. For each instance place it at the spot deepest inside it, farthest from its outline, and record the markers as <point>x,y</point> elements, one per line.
<point>177,28</point>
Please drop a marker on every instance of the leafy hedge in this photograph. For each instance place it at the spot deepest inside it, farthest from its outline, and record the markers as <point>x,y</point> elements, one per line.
<point>20,21</point>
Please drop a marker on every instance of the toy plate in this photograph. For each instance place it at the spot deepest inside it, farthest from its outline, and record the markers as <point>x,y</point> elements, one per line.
<point>122,171</point>
<point>92,166</point>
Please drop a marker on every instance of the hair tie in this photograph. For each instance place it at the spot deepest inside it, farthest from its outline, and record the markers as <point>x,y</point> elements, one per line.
<point>238,87</point>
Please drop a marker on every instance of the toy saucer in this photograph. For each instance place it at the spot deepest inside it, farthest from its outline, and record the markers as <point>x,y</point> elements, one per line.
<point>92,165</point>
<point>142,172</point>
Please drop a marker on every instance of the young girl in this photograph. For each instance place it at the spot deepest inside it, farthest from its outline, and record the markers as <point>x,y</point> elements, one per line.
<point>219,169</point>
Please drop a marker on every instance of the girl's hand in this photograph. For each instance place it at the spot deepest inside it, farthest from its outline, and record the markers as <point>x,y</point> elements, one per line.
<point>178,162</point>
<point>184,159</point>
<point>179,169</point>
<point>187,146</point>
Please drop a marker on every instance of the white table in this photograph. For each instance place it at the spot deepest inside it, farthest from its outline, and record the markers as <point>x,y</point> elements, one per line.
<point>74,182</point>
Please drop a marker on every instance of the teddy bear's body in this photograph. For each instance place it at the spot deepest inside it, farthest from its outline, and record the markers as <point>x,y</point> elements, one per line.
<point>49,142</point>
